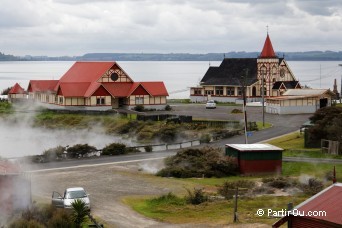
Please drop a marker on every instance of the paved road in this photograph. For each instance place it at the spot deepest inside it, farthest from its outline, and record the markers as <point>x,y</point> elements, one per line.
<point>282,124</point>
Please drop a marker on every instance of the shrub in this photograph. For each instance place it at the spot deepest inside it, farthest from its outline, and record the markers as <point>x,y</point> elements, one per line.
<point>235,110</point>
<point>168,108</point>
<point>205,138</point>
<point>148,148</point>
<point>167,134</point>
<point>277,182</point>
<point>61,218</point>
<point>196,197</point>
<point>167,199</point>
<point>114,149</point>
<point>53,154</point>
<point>206,161</point>
<point>228,188</point>
<point>26,223</point>
<point>139,108</point>
<point>80,150</point>
<point>312,187</point>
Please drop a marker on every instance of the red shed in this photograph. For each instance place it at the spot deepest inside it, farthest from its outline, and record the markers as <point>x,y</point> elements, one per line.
<point>321,210</point>
<point>15,188</point>
<point>256,158</point>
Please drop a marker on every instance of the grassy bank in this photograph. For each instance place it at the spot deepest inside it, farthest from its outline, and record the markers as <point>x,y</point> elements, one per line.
<point>213,213</point>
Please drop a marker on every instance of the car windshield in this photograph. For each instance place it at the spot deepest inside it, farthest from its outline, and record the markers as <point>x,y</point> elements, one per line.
<point>75,194</point>
<point>211,102</point>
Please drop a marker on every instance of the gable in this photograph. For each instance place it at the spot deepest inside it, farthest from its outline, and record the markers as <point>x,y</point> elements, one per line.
<point>101,91</point>
<point>119,75</point>
<point>140,91</point>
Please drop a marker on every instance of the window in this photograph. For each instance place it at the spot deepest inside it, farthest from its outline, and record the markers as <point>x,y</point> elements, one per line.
<point>197,91</point>
<point>230,91</point>
<point>61,100</point>
<point>265,91</point>
<point>219,91</point>
<point>208,92</point>
<point>240,91</point>
<point>100,101</point>
<point>274,71</point>
<point>139,100</point>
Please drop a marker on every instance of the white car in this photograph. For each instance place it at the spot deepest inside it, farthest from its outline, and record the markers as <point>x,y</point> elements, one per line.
<point>210,104</point>
<point>70,195</point>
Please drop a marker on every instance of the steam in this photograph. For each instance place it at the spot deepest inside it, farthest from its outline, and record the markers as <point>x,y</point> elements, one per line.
<point>151,167</point>
<point>19,138</point>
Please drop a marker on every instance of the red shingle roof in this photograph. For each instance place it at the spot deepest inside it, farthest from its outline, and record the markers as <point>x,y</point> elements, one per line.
<point>119,89</point>
<point>42,85</point>
<point>16,89</point>
<point>267,51</point>
<point>86,71</point>
<point>155,88</point>
<point>73,89</point>
<point>328,200</point>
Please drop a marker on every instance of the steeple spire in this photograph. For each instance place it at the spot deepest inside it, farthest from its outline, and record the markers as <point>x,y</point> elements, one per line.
<point>267,51</point>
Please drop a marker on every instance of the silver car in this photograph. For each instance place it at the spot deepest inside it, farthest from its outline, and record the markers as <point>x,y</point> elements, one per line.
<point>210,104</point>
<point>70,195</point>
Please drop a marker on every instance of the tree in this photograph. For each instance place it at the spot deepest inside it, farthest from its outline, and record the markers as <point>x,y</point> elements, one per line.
<point>5,91</point>
<point>327,125</point>
<point>79,212</point>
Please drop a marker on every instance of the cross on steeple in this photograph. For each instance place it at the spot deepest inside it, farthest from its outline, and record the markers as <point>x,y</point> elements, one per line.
<point>267,29</point>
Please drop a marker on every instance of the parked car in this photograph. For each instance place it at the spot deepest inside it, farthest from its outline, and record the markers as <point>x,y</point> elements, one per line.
<point>210,104</point>
<point>70,195</point>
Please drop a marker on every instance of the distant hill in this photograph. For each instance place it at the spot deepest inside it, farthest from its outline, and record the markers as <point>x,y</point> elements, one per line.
<point>294,56</point>
<point>4,57</point>
<point>290,56</point>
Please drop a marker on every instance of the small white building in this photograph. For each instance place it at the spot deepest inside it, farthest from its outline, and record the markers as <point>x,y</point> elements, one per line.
<point>299,101</point>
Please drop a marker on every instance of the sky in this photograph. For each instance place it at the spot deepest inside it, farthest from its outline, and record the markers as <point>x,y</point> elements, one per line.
<point>77,27</point>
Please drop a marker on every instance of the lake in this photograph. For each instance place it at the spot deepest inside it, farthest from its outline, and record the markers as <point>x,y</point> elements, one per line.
<point>178,76</point>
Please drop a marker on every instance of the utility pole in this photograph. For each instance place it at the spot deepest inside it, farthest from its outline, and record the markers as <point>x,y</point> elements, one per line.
<point>244,104</point>
<point>341,84</point>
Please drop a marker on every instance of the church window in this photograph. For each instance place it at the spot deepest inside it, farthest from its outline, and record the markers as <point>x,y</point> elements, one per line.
<point>230,91</point>
<point>219,91</point>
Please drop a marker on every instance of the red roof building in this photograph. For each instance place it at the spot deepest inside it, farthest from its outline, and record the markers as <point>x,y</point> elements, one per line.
<point>267,51</point>
<point>321,210</point>
<point>94,84</point>
<point>16,93</point>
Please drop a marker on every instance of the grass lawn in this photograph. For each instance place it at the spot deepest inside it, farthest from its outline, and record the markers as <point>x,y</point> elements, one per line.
<point>214,213</point>
<point>293,145</point>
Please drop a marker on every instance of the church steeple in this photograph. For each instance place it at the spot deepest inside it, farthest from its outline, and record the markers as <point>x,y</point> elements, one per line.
<point>267,51</point>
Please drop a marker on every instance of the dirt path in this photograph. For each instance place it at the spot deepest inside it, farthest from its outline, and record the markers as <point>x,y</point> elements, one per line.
<point>106,185</point>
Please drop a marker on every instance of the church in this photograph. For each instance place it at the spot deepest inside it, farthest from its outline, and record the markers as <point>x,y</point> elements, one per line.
<point>266,74</point>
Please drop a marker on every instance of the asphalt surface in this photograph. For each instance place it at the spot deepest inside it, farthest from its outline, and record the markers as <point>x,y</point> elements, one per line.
<point>281,124</point>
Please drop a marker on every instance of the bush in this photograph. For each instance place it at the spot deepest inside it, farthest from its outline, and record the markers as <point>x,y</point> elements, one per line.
<point>53,154</point>
<point>236,111</point>
<point>168,108</point>
<point>228,189</point>
<point>23,223</point>
<point>167,199</point>
<point>61,218</point>
<point>114,149</point>
<point>80,150</point>
<point>167,134</point>
<point>196,197</point>
<point>139,108</point>
<point>148,148</point>
<point>205,138</point>
<point>208,162</point>
<point>277,182</point>
<point>313,186</point>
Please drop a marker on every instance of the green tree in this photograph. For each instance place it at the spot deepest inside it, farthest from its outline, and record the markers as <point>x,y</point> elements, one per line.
<point>79,212</point>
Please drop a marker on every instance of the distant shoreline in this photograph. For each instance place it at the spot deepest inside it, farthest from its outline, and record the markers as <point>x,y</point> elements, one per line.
<point>290,56</point>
